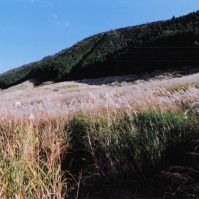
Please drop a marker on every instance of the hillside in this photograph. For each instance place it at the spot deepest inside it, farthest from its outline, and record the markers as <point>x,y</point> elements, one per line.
<point>143,48</point>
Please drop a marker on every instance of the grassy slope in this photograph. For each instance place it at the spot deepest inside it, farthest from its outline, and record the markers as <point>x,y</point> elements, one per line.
<point>124,151</point>
<point>126,141</point>
<point>121,51</point>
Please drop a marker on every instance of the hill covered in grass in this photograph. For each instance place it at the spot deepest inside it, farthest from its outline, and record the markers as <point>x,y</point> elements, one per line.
<point>137,49</point>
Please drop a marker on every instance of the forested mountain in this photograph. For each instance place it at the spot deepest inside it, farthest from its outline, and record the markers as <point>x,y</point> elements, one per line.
<point>158,45</point>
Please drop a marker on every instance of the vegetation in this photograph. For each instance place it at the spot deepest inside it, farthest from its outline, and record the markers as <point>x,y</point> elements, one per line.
<point>15,76</point>
<point>120,143</point>
<point>127,152</point>
<point>30,157</point>
<point>124,152</point>
<point>142,146</point>
<point>162,44</point>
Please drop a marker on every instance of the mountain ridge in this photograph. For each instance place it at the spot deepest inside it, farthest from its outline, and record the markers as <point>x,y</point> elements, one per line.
<point>133,49</point>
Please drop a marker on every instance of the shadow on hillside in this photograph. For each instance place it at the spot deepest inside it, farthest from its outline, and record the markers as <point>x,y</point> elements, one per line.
<point>131,78</point>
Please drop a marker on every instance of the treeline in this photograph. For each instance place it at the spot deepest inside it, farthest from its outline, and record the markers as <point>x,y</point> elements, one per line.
<point>15,76</point>
<point>139,48</point>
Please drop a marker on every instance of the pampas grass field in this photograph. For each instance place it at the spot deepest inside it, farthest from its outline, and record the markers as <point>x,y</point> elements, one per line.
<point>135,139</point>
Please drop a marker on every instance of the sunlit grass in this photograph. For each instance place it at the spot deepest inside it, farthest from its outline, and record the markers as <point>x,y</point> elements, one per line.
<point>120,138</point>
<point>31,160</point>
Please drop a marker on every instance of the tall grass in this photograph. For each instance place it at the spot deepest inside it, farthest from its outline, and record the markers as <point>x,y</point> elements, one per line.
<point>125,151</point>
<point>96,152</point>
<point>131,140</point>
<point>30,156</point>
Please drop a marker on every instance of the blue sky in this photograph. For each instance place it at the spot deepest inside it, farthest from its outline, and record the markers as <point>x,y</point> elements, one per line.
<point>33,29</point>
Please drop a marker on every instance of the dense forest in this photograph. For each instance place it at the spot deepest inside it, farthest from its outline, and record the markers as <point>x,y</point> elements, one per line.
<point>158,45</point>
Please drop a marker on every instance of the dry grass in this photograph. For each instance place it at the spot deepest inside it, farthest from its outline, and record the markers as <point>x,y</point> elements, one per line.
<point>43,102</point>
<point>33,135</point>
<point>31,154</point>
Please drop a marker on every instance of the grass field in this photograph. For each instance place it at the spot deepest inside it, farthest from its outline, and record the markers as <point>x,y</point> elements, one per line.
<point>125,139</point>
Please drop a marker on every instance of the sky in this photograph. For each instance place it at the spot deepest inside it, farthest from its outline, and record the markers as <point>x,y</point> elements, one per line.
<point>33,29</point>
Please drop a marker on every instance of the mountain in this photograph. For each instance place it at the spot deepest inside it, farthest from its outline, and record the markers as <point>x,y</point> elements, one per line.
<point>136,49</point>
